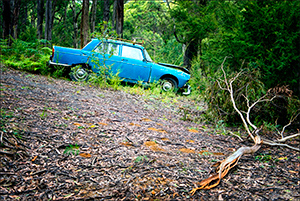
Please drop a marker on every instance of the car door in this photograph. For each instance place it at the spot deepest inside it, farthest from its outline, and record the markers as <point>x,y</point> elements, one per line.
<point>106,58</point>
<point>134,67</point>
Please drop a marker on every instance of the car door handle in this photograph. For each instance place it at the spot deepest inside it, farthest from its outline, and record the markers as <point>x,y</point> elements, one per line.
<point>124,60</point>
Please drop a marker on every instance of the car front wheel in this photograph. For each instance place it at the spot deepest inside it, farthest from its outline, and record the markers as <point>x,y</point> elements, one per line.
<point>79,73</point>
<point>168,84</point>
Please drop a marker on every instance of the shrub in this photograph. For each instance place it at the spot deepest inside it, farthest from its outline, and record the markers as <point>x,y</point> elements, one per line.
<point>248,86</point>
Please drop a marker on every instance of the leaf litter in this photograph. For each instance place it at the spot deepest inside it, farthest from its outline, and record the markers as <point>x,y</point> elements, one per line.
<point>110,145</point>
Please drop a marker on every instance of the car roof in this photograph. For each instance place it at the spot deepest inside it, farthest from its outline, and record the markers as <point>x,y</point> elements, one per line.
<point>122,42</point>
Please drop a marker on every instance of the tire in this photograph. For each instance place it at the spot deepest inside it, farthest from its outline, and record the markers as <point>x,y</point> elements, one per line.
<point>79,73</point>
<point>168,84</point>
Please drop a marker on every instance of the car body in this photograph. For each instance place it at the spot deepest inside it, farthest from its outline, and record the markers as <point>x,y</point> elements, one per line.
<point>129,61</point>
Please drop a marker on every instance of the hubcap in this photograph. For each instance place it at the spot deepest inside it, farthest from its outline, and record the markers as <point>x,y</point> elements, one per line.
<point>81,74</point>
<point>167,86</point>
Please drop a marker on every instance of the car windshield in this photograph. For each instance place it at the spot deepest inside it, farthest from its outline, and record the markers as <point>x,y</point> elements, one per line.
<point>148,58</point>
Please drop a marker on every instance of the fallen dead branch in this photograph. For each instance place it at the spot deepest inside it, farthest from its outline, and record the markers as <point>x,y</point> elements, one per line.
<point>223,167</point>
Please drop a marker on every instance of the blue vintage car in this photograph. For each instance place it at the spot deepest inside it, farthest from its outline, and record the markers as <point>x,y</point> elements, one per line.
<point>130,61</point>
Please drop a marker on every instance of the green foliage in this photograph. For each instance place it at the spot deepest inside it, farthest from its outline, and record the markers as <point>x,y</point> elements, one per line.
<point>219,102</point>
<point>247,89</point>
<point>27,56</point>
<point>264,34</point>
<point>149,21</point>
<point>141,159</point>
<point>265,158</point>
<point>72,149</point>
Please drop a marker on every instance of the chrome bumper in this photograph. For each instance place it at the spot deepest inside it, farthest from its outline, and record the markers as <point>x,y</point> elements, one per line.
<point>188,91</point>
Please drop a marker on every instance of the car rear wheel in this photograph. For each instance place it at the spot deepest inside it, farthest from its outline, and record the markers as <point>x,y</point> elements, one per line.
<point>79,73</point>
<point>168,84</point>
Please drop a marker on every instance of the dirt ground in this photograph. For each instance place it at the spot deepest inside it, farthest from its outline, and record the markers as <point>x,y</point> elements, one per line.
<point>65,141</point>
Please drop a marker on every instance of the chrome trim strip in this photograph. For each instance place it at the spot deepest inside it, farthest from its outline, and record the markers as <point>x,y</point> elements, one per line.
<point>57,64</point>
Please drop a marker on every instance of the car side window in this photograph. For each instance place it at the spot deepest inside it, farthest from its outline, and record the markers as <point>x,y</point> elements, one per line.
<point>108,48</point>
<point>132,53</point>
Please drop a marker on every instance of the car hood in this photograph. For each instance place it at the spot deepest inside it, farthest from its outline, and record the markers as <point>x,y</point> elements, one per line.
<point>174,66</point>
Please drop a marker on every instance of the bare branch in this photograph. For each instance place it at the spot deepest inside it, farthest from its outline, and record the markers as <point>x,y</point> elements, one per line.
<point>237,110</point>
<point>236,135</point>
<point>225,89</point>
<point>261,99</point>
<point>288,137</point>
<point>291,121</point>
<point>269,142</point>
<point>225,77</point>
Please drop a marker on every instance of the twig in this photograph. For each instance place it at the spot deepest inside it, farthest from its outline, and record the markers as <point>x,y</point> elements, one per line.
<point>288,137</point>
<point>236,135</point>
<point>268,142</point>
<point>290,122</point>
<point>39,172</point>
<point>93,162</point>
<point>5,152</point>
<point>7,173</point>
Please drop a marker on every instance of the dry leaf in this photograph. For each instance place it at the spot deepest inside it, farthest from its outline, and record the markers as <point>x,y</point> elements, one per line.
<point>157,148</point>
<point>165,139</point>
<point>133,124</point>
<point>153,146</point>
<point>77,124</point>
<point>158,130</point>
<point>149,143</point>
<point>185,150</point>
<point>146,119</point>
<point>34,158</point>
<point>104,124</point>
<point>126,144</point>
<point>193,130</point>
<point>291,171</point>
<point>85,155</point>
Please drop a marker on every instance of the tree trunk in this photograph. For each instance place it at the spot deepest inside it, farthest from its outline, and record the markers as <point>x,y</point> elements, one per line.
<point>84,27</point>
<point>75,23</point>
<point>106,11</point>
<point>65,14</point>
<point>48,20</point>
<point>93,18</point>
<point>16,12</point>
<point>24,16</point>
<point>6,15</point>
<point>120,17</point>
<point>190,52</point>
<point>114,17</point>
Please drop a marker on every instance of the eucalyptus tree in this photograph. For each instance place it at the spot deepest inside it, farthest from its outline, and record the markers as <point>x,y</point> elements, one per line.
<point>193,21</point>
<point>150,22</point>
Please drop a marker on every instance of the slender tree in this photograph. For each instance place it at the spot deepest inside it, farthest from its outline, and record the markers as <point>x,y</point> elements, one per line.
<point>48,20</point>
<point>40,17</point>
<point>16,12</point>
<point>93,17</point>
<point>106,10</point>
<point>84,28</point>
<point>75,23</point>
<point>119,10</point>
<point>6,18</point>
